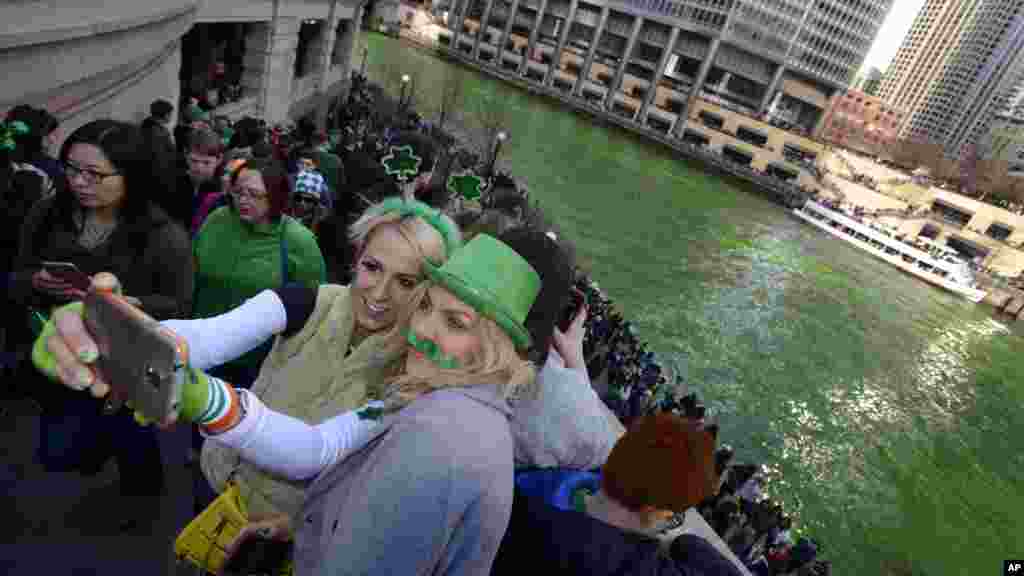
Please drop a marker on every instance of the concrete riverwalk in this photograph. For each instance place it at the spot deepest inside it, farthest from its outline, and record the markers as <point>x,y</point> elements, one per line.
<point>67,525</point>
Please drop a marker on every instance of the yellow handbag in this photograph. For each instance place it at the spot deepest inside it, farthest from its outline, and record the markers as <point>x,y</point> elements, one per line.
<point>202,542</point>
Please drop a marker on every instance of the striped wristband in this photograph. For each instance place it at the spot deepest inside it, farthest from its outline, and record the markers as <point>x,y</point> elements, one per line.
<point>222,407</point>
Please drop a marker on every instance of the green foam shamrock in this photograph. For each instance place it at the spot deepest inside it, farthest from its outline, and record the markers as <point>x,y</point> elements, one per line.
<point>8,131</point>
<point>401,163</point>
<point>466,184</point>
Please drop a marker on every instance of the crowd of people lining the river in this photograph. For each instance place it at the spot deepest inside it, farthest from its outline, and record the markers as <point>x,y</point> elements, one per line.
<point>349,319</point>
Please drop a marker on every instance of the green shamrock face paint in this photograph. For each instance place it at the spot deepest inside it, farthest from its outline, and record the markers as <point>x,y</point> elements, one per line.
<point>431,351</point>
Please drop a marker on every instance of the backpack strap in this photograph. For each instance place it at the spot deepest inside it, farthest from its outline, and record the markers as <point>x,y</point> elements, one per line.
<point>284,250</point>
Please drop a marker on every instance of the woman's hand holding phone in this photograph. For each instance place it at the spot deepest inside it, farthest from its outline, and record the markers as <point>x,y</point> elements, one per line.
<point>569,342</point>
<point>67,352</point>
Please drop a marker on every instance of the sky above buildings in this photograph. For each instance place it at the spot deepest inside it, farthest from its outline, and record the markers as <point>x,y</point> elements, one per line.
<point>892,33</point>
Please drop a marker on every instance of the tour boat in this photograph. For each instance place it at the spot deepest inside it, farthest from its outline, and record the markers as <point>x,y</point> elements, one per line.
<point>944,270</point>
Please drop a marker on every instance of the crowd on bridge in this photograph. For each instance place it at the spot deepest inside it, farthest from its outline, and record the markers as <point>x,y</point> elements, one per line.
<point>394,365</point>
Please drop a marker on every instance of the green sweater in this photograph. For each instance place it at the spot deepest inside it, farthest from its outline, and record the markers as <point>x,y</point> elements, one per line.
<point>236,260</point>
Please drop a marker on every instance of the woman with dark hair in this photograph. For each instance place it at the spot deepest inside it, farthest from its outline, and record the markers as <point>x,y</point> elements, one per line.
<point>101,220</point>
<point>249,246</point>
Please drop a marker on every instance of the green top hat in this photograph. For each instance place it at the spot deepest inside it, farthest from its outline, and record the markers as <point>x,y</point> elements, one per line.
<point>495,280</point>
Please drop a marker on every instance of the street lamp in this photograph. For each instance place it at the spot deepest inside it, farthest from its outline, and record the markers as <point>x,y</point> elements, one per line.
<point>405,84</point>
<point>501,137</point>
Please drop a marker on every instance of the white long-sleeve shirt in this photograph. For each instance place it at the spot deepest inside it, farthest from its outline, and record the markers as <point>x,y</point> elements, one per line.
<point>220,339</point>
<point>289,447</point>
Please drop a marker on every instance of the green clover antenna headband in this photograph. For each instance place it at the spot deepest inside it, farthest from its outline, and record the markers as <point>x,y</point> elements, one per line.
<point>430,215</point>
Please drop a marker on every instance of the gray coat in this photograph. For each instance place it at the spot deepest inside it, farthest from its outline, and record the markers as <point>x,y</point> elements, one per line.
<point>430,494</point>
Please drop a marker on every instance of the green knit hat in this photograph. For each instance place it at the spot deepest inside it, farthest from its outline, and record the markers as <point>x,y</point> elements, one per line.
<point>495,280</point>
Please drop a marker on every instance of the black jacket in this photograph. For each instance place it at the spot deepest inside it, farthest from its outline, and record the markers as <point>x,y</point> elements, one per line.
<point>551,540</point>
<point>158,136</point>
<point>182,204</point>
<point>158,273</point>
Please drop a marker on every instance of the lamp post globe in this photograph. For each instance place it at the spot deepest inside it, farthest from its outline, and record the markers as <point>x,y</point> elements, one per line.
<point>500,138</point>
<point>401,99</point>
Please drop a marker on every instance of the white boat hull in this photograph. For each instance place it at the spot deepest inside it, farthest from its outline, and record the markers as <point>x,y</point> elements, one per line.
<point>968,292</point>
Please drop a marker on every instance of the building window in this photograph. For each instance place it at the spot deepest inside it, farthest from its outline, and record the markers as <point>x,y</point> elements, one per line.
<point>999,231</point>
<point>752,136</point>
<point>711,120</point>
<point>307,52</point>
<point>950,214</point>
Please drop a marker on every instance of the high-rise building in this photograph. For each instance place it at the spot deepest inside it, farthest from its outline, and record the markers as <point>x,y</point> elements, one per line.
<point>780,59</point>
<point>959,66</point>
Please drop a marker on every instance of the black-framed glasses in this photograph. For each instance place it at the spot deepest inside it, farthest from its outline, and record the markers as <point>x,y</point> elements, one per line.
<point>306,200</point>
<point>91,176</point>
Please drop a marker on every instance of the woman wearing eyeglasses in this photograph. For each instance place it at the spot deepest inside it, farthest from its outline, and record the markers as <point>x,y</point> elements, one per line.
<point>250,246</point>
<point>101,219</point>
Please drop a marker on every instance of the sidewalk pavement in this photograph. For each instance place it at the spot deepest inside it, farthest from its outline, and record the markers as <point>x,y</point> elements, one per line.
<point>66,524</point>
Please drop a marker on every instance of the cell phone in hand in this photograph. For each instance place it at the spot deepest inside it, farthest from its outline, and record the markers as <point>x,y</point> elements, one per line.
<point>142,361</point>
<point>69,273</point>
<point>576,301</point>
<point>259,556</point>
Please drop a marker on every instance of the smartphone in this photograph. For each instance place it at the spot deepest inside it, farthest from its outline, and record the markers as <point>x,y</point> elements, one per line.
<point>260,556</point>
<point>576,300</point>
<point>143,362</point>
<point>69,273</point>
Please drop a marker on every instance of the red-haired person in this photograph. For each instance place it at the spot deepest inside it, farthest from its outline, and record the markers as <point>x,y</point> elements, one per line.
<point>249,246</point>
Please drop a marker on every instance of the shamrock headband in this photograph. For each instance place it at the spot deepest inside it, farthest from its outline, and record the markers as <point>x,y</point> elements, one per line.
<point>9,131</point>
<point>431,216</point>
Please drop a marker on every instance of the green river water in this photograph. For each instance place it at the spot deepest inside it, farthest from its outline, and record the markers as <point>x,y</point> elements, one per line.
<point>889,412</point>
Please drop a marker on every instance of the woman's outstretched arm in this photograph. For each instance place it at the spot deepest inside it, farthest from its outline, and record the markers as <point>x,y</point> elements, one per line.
<point>289,447</point>
<point>220,339</point>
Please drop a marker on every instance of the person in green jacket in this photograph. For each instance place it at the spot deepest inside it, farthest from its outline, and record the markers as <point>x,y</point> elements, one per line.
<point>250,246</point>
